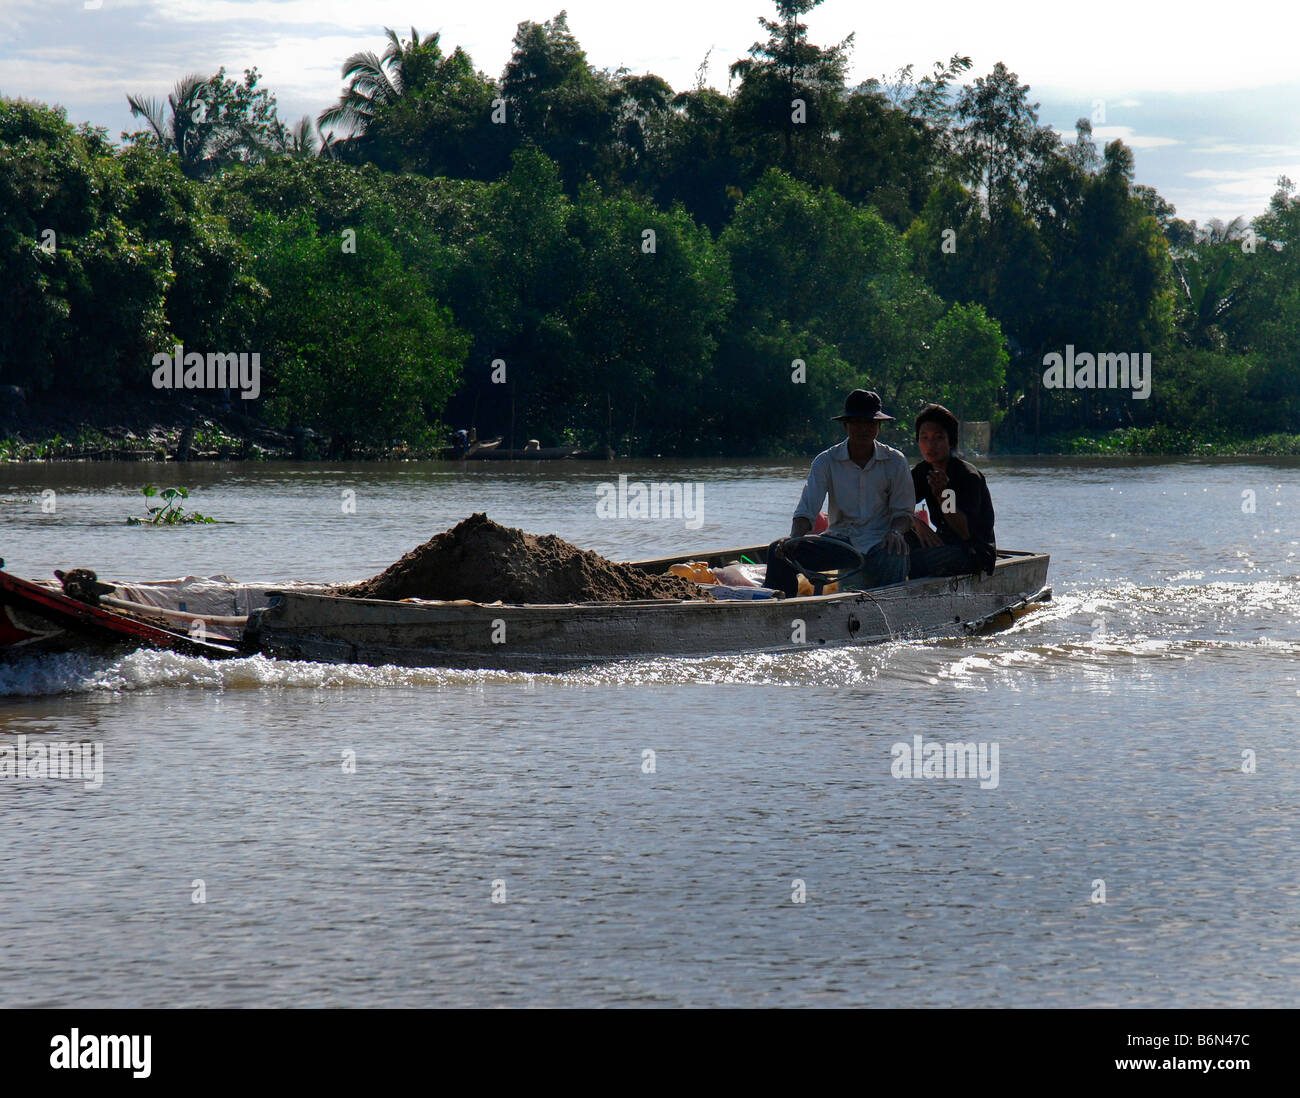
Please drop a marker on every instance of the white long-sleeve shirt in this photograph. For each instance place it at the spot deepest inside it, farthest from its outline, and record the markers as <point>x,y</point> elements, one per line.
<point>864,501</point>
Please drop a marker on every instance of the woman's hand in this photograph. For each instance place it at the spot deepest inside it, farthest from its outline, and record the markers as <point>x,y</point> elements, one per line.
<point>938,481</point>
<point>927,537</point>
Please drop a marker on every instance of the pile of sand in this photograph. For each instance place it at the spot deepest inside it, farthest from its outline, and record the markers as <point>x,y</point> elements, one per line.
<point>483,561</point>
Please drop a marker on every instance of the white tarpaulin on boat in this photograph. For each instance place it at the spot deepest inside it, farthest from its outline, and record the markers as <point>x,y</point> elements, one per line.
<point>210,596</point>
<point>219,595</point>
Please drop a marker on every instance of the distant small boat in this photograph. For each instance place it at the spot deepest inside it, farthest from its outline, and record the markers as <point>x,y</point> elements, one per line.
<point>449,453</point>
<point>491,451</point>
<point>537,453</point>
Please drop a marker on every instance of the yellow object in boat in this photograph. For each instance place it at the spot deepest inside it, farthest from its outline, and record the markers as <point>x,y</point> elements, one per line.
<point>806,588</point>
<point>695,571</point>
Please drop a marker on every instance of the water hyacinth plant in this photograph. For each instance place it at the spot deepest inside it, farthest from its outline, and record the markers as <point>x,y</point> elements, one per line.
<point>171,512</point>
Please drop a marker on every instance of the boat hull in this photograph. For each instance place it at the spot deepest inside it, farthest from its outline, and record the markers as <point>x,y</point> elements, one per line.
<point>555,638</point>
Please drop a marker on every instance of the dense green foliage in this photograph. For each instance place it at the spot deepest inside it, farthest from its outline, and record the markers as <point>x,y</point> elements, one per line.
<point>354,347</point>
<point>590,257</point>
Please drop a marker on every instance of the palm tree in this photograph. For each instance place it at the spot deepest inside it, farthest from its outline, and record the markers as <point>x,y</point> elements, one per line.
<point>373,82</point>
<point>1216,232</point>
<point>1212,280</point>
<point>305,141</point>
<point>188,132</point>
<point>198,124</point>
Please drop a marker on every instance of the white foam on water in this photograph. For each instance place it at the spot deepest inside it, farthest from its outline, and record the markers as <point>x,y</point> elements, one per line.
<point>149,670</point>
<point>1100,633</point>
<point>820,667</point>
<point>1103,634</point>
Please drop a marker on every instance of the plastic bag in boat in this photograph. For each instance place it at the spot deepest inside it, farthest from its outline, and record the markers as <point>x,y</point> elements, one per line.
<point>723,591</point>
<point>741,575</point>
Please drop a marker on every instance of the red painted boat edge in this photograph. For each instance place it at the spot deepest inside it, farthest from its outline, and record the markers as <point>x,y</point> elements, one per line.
<point>94,624</point>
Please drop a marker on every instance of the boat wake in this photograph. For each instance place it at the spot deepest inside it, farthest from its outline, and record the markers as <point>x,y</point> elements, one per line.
<point>152,670</point>
<point>1102,633</point>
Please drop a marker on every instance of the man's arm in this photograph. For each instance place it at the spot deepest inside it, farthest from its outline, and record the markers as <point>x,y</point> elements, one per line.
<point>975,519</point>
<point>927,537</point>
<point>814,491</point>
<point>986,524</point>
<point>901,496</point>
<point>980,517</point>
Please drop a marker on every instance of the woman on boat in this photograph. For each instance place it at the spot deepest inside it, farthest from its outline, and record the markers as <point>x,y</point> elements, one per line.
<point>957,498</point>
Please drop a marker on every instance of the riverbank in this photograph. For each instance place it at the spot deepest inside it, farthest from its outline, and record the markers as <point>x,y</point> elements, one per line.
<point>153,431</point>
<point>1167,442</point>
<point>161,431</point>
<point>211,442</point>
<point>207,441</point>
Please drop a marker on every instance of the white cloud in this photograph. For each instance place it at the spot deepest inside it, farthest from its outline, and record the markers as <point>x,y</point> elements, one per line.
<point>1258,186</point>
<point>90,81</point>
<point>326,14</point>
<point>15,13</point>
<point>1110,52</point>
<point>1226,194</point>
<point>1133,140</point>
<point>1103,134</point>
<point>1215,147</point>
<point>1211,173</point>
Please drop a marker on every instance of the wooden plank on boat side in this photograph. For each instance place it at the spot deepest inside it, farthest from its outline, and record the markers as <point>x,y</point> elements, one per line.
<point>557,637</point>
<point>713,558</point>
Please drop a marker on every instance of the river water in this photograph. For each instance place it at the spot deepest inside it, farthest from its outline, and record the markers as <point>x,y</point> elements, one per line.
<point>507,839</point>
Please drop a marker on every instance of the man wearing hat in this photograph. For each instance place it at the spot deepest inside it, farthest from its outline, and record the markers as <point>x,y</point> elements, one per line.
<point>871,500</point>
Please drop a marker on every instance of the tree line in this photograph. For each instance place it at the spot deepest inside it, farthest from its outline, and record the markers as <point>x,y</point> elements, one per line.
<point>590,257</point>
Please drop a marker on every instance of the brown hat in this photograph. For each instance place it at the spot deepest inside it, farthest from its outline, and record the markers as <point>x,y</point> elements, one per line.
<point>862,404</point>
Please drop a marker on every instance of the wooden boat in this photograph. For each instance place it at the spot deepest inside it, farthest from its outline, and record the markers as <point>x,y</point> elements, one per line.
<point>492,451</point>
<point>544,453</point>
<point>306,621</point>
<point>477,447</point>
<point>553,638</point>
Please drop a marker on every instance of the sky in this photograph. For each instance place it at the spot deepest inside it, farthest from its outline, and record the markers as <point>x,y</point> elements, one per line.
<point>1207,98</point>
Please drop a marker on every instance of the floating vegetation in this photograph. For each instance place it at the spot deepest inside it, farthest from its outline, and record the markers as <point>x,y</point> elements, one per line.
<point>170,512</point>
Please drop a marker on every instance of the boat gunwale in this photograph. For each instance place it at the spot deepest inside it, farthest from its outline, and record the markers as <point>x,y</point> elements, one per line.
<point>662,563</point>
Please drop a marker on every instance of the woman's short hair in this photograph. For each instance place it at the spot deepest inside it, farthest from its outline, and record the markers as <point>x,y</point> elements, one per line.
<point>937,413</point>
